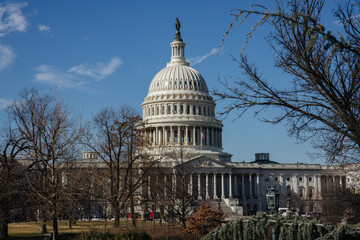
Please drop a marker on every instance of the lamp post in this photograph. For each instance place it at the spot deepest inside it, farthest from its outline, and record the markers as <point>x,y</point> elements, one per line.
<point>272,199</point>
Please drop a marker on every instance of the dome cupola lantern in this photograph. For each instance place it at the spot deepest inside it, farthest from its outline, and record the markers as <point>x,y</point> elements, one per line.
<point>178,48</point>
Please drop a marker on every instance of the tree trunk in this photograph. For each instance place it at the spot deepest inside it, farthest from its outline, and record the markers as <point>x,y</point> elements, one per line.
<point>70,222</point>
<point>55,224</point>
<point>132,210</point>
<point>117,218</point>
<point>42,221</point>
<point>5,219</point>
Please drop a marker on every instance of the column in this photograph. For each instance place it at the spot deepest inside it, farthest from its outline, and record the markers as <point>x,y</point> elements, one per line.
<point>207,196</point>
<point>171,136</point>
<point>194,135</point>
<point>333,183</point>
<point>316,186</point>
<point>215,195</point>
<point>259,191</point>
<point>164,135</point>
<point>230,185</point>
<point>296,184</point>
<point>283,186</point>
<point>222,186</point>
<point>200,136</point>
<point>191,185</point>
<point>199,186</point>
<point>235,188</point>
<point>186,136</point>
<point>156,136</point>
<point>306,186</point>
<point>250,187</point>
<point>243,186</point>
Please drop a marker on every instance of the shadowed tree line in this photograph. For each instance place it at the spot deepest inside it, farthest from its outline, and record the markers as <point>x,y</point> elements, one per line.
<point>41,170</point>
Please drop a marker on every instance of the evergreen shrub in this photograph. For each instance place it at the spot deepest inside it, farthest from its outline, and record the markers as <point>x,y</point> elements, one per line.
<point>128,235</point>
<point>287,228</point>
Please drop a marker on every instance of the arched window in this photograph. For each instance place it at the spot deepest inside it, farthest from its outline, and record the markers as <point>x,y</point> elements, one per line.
<point>199,110</point>
<point>301,192</point>
<point>175,109</point>
<point>181,109</point>
<point>187,109</point>
<point>311,192</point>
<point>194,110</point>
<point>288,191</point>
<point>163,110</point>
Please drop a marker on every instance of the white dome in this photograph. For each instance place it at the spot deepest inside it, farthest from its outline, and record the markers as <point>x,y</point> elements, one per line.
<point>178,77</point>
<point>178,109</point>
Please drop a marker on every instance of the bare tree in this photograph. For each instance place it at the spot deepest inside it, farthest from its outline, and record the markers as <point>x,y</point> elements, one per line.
<point>176,195</point>
<point>116,141</point>
<point>12,187</point>
<point>51,135</point>
<point>323,103</point>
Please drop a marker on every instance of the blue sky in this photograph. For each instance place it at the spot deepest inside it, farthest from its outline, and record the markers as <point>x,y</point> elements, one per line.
<point>105,53</point>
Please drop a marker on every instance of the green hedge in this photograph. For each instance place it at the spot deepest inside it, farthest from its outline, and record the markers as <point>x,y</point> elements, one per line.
<point>128,235</point>
<point>287,228</point>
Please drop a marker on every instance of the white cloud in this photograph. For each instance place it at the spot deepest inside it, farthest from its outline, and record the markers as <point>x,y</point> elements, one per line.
<point>44,28</point>
<point>3,103</point>
<point>7,56</point>
<point>12,18</point>
<point>97,71</point>
<point>75,77</point>
<point>196,60</point>
<point>52,76</point>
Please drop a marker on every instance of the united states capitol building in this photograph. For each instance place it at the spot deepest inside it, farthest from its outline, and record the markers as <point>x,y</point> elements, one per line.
<point>179,115</point>
<point>184,133</point>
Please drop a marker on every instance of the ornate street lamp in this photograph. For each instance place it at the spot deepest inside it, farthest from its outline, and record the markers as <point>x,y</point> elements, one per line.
<point>272,199</point>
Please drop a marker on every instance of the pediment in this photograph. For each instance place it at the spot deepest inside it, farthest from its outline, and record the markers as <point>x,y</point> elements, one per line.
<point>204,162</point>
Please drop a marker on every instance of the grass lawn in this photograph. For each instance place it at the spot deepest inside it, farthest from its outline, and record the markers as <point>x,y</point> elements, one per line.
<point>25,229</point>
<point>32,229</point>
